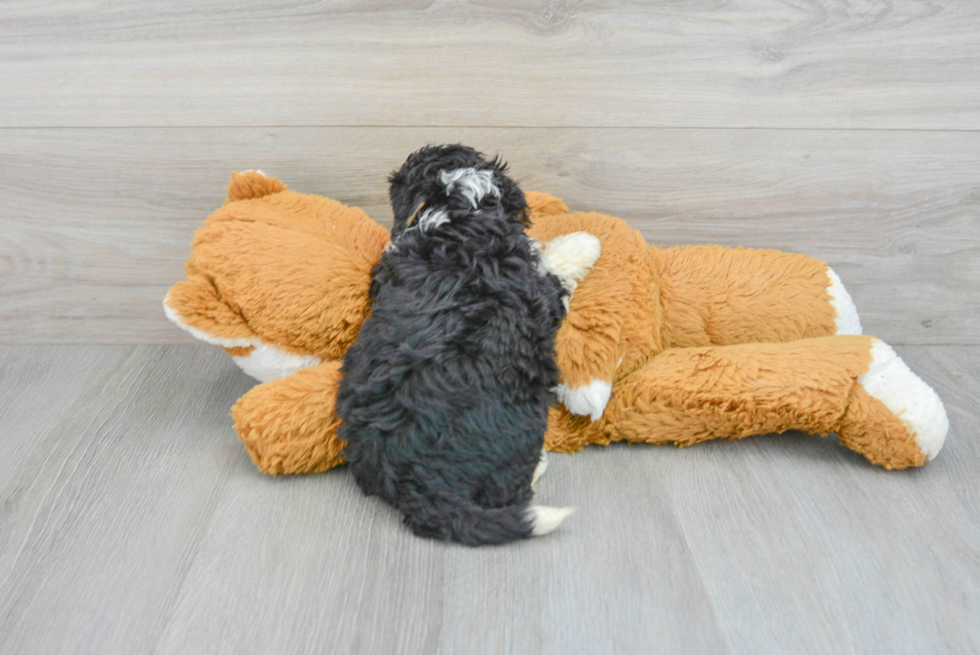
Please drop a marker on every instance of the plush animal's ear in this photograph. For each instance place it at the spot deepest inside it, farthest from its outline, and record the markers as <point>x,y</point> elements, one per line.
<point>544,204</point>
<point>245,185</point>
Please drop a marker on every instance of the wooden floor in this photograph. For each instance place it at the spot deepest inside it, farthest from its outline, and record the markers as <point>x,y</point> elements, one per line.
<point>131,519</point>
<point>134,522</point>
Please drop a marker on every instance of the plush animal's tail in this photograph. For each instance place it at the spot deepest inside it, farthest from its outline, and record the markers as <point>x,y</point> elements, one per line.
<point>472,525</point>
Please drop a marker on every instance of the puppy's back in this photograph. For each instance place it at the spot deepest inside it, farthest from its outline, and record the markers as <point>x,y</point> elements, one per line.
<point>445,393</point>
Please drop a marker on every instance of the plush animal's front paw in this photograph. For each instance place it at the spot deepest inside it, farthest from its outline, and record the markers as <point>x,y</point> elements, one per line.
<point>890,381</point>
<point>572,256</point>
<point>588,400</point>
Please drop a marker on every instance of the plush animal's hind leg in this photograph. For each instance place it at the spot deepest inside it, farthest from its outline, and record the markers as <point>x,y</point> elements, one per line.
<point>716,295</point>
<point>289,425</point>
<point>853,385</point>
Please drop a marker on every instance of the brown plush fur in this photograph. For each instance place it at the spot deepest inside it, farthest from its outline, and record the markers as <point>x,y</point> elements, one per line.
<point>289,425</point>
<point>319,252</point>
<point>699,343</point>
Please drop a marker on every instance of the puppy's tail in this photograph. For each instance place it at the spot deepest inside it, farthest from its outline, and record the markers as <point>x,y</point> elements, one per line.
<point>472,525</point>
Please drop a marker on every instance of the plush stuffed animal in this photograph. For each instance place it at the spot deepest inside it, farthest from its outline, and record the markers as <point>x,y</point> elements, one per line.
<point>672,345</point>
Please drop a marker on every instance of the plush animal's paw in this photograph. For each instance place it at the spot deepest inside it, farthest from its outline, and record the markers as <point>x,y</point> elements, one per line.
<point>545,519</point>
<point>588,400</point>
<point>890,381</point>
<point>572,256</point>
<point>847,320</point>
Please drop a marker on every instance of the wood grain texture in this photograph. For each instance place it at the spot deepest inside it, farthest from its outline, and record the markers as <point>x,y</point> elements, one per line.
<point>138,524</point>
<point>707,63</point>
<point>102,519</point>
<point>95,224</point>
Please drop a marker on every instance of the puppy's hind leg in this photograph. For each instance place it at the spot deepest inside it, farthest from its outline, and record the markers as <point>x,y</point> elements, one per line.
<point>540,468</point>
<point>545,519</point>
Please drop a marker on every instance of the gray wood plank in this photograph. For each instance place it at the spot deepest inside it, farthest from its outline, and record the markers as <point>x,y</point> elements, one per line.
<point>804,547</point>
<point>619,576</point>
<point>141,525</point>
<point>760,63</point>
<point>309,565</point>
<point>38,387</point>
<point>96,224</point>
<point>955,373</point>
<point>102,519</point>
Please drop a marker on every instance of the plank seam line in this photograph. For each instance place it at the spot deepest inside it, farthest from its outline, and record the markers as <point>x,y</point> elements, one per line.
<point>492,127</point>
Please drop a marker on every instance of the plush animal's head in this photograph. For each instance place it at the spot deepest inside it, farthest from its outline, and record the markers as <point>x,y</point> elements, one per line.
<point>280,279</point>
<point>439,179</point>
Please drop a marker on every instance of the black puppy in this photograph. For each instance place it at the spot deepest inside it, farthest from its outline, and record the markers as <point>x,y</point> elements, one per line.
<point>445,393</point>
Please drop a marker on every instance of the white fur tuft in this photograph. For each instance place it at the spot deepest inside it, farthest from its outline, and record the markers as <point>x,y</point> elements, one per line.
<point>472,183</point>
<point>540,468</point>
<point>267,362</point>
<point>572,256</point>
<point>589,400</point>
<point>907,396</point>
<point>432,218</point>
<point>545,519</point>
<point>847,316</point>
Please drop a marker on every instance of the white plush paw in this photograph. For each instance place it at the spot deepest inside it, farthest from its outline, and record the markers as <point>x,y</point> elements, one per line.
<point>847,317</point>
<point>266,362</point>
<point>890,380</point>
<point>257,170</point>
<point>572,256</point>
<point>540,468</point>
<point>589,400</point>
<point>545,519</point>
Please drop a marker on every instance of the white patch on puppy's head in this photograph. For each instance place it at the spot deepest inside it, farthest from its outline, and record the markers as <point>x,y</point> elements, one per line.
<point>432,218</point>
<point>472,183</point>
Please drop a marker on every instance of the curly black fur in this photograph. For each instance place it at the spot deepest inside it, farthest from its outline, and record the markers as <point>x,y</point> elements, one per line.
<point>445,393</point>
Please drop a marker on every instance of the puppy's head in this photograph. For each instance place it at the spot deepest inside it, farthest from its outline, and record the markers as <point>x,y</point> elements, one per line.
<point>435,180</point>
